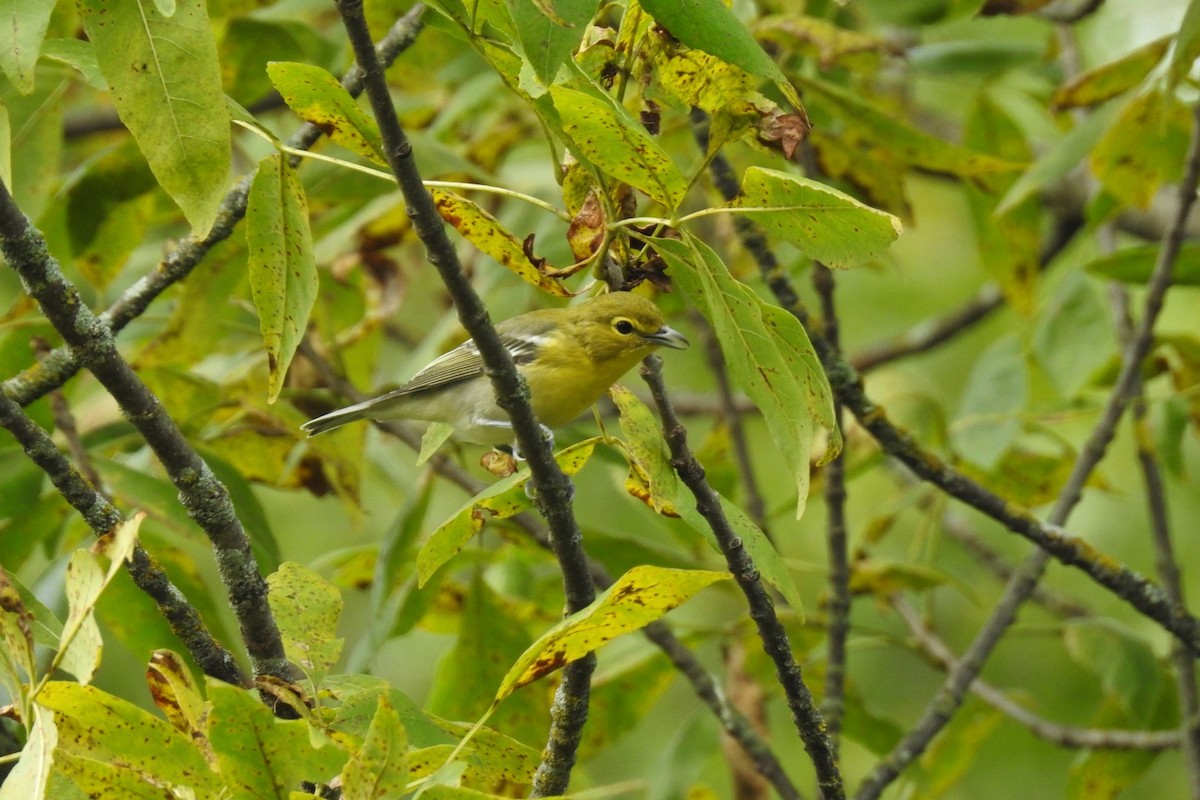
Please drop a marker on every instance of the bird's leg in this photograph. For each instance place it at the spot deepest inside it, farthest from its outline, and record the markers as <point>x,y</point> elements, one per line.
<point>547,435</point>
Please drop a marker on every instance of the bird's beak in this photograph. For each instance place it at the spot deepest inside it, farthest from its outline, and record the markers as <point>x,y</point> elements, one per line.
<point>668,337</point>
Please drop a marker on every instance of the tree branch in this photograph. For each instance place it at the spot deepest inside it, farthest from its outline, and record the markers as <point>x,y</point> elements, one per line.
<point>569,712</point>
<point>1061,735</point>
<point>808,720</point>
<point>202,495</point>
<point>838,607</point>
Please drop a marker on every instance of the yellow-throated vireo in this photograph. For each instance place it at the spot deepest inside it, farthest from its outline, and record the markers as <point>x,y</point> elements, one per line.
<point>569,357</point>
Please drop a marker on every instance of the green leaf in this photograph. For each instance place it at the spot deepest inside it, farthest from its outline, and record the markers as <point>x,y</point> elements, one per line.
<point>1073,336</point>
<point>18,667</point>
<point>36,125</point>
<point>767,350</point>
<point>1136,264</point>
<point>503,499</point>
<point>491,238</point>
<point>166,85</point>
<point>824,41</point>
<point>105,730</point>
<point>1138,694</point>
<point>79,55</point>
<point>1144,148</point>
<point>710,26</point>
<point>603,133</point>
<point>23,25</point>
<point>910,144</point>
<point>989,414</point>
<point>767,559</point>
<point>379,768</point>
<point>955,59</point>
<point>548,43</point>
<point>1009,244</point>
<point>250,44</point>
<point>283,271</point>
<point>1128,670</point>
<point>640,596</point>
<point>1106,774</point>
<point>829,226</point>
<point>307,610</point>
<point>651,477</point>
<point>317,97</point>
<point>32,777</point>
<point>80,644</point>
<point>1187,46</point>
<point>259,755</point>
<point>957,749</point>
<point>1060,159</point>
<point>491,636</point>
<point>1109,80</point>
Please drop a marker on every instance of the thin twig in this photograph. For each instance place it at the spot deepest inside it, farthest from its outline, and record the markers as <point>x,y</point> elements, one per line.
<point>1166,562</point>
<point>569,712</point>
<point>808,720</point>
<point>833,705</point>
<point>1061,735</point>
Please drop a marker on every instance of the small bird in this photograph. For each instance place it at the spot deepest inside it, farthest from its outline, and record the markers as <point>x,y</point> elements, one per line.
<point>569,357</point>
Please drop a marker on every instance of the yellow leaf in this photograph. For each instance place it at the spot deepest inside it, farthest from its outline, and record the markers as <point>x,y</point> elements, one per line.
<point>640,596</point>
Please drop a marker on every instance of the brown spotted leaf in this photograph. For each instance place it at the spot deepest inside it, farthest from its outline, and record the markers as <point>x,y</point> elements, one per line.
<point>768,352</point>
<point>318,98</point>
<point>640,596</point>
<point>491,238</point>
<point>282,268</point>
<point>175,693</point>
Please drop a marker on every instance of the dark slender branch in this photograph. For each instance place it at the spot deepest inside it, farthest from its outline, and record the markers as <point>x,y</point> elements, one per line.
<point>838,607</point>
<point>61,364</point>
<point>102,517</point>
<point>64,422</point>
<point>1166,562</point>
<point>807,718</point>
<point>554,487</point>
<point>1145,596</point>
<point>1061,735</point>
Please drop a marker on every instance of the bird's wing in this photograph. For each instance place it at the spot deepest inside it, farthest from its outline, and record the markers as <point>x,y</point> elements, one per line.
<point>464,361</point>
<point>459,364</point>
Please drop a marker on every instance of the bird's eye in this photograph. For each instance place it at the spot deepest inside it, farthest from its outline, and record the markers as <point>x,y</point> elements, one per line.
<point>623,326</point>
